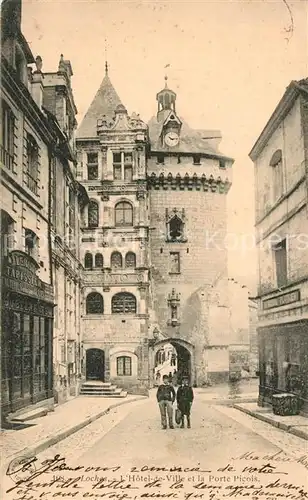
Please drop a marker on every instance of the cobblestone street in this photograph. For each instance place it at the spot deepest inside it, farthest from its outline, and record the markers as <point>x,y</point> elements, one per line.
<point>222,441</point>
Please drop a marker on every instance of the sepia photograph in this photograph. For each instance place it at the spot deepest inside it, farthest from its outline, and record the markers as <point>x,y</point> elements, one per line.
<point>154,249</point>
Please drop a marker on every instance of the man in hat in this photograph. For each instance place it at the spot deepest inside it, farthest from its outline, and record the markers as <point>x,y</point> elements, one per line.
<point>166,396</point>
<point>185,397</point>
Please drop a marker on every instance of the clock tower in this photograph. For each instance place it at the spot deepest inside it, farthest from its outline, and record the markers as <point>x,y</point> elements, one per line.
<point>167,117</point>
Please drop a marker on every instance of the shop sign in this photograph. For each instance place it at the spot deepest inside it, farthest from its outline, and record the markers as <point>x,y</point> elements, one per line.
<point>19,275</point>
<point>282,300</point>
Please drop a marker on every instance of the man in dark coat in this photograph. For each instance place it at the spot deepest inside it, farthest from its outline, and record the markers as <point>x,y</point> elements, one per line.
<point>185,397</point>
<point>166,396</point>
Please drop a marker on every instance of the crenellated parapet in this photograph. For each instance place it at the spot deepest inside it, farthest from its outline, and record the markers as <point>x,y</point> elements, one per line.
<point>188,182</point>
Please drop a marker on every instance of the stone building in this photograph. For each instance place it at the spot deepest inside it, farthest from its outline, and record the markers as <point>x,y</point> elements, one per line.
<point>112,148</point>
<point>68,200</point>
<point>154,273</point>
<point>188,179</point>
<point>40,206</point>
<point>27,298</point>
<point>280,156</point>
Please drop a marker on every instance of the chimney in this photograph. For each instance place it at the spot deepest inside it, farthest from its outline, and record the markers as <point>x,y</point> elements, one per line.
<point>37,83</point>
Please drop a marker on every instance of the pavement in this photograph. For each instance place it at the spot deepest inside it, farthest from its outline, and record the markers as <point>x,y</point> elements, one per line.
<point>36,435</point>
<point>295,424</point>
<point>127,455</point>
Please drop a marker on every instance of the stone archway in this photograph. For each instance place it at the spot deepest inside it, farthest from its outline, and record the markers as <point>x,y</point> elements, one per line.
<point>185,358</point>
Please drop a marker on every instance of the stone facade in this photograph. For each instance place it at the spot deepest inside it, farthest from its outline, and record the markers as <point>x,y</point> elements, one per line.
<point>41,205</point>
<point>111,148</point>
<point>26,289</point>
<point>68,200</point>
<point>176,276</point>
<point>280,158</point>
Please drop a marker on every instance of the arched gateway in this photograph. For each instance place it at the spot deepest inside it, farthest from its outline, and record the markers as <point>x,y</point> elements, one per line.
<point>185,357</point>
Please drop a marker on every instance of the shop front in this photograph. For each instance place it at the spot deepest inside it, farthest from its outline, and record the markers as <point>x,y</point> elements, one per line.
<point>27,335</point>
<point>284,362</point>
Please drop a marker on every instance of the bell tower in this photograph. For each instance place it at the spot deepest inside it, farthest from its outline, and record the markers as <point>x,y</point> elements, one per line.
<point>166,102</point>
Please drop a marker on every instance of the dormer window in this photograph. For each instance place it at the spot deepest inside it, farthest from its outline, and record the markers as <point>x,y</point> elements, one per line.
<point>123,166</point>
<point>197,159</point>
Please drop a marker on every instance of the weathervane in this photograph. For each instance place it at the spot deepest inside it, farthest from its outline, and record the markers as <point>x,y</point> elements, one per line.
<point>106,59</point>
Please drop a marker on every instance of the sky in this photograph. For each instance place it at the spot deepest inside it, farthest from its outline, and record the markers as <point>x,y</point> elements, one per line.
<point>230,63</point>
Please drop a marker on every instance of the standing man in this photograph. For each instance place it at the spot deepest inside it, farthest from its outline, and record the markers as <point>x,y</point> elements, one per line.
<point>166,396</point>
<point>185,397</point>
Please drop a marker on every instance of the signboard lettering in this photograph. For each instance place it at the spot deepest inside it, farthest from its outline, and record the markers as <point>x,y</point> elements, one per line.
<point>281,300</point>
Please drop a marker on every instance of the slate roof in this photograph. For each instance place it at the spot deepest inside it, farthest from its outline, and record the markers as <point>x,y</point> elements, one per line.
<point>104,103</point>
<point>191,140</point>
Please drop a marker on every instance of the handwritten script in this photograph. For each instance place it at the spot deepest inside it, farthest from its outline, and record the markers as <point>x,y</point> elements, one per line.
<point>248,476</point>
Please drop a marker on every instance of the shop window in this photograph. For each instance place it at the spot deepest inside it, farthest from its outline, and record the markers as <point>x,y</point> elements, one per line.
<point>7,136</point>
<point>124,366</point>
<point>175,263</point>
<point>88,261</point>
<point>130,260</point>
<point>31,243</point>
<point>116,260</point>
<point>7,233</point>
<point>277,174</point>
<point>280,255</point>
<point>94,303</point>
<point>293,370</point>
<point>99,260</point>
<point>123,214</point>
<point>92,166</point>
<point>93,214</point>
<point>123,303</point>
<point>32,164</point>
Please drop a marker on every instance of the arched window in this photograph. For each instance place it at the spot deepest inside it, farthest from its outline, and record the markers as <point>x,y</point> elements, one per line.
<point>94,303</point>
<point>99,260</point>
<point>277,174</point>
<point>130,260</point>
<point>176,228</point>
<point>116,260</point>
<point>123,214</point>
<point>123,302</point>
<point>88,261</point>
<point>93,218</point>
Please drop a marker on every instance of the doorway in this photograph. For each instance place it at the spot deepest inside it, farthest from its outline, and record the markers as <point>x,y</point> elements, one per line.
<point>95,364</point>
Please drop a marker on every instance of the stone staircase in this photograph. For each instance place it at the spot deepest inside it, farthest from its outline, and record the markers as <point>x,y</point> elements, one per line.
<point>101,389</point>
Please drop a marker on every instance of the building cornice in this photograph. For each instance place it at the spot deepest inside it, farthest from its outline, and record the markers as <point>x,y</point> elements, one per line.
<point>188,182</point>
<point>280,112</point>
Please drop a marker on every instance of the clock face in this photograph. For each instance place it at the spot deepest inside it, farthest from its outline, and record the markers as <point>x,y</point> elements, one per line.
<point>171,139</point>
